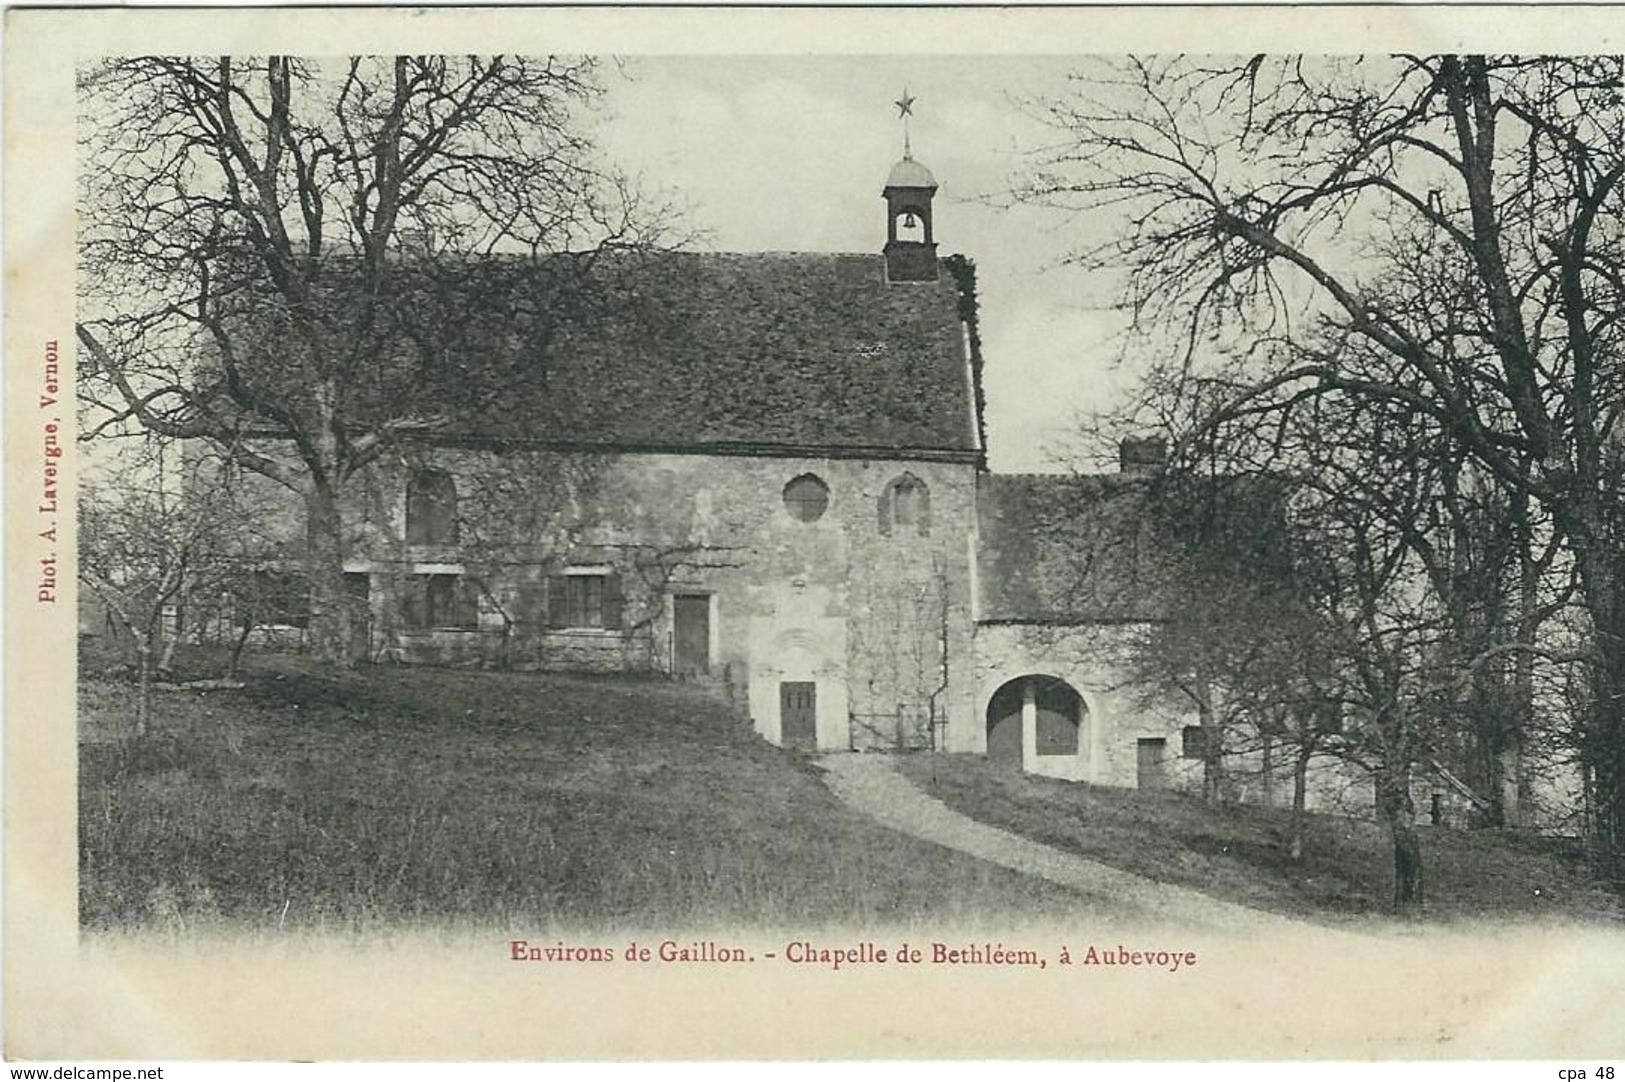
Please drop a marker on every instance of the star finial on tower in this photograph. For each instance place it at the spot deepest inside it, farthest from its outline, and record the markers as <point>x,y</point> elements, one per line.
<point>905,109</point>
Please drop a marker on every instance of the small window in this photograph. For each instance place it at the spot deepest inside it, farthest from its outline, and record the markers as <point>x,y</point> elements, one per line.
<point>585,601</point>
<point>806,498</point>
<point>431,509</point>
<point>1193,742</point>
<point>905,507</point>
<point>441,601</point>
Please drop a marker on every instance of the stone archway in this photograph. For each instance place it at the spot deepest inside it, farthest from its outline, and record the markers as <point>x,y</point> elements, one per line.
<point>1057,714</point>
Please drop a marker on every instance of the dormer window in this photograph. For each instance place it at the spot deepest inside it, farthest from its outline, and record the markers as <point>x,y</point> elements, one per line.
<point>431,508</point>
<point>905,507</point>
<point>806,498</point>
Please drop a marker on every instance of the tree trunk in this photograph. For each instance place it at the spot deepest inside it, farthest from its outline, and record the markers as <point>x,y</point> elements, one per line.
<point>1506,698</point>
<point>1407,863</point>
<point>329,601</point>
<point>1267,772</point>
<point>1602,743</point>
<point>143,684</point>
<point>166,661</point>
<point>1509,770</point>
<point>1400,812</point>
<point>236,661</point>
<point>1212,745</point>
<point>1515,771</point>
<point>1300,800</point>
<point>1493,726</point>
<point>1607,754</point>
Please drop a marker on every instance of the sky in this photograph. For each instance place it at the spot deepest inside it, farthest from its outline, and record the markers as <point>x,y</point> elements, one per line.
<point>790,153</point>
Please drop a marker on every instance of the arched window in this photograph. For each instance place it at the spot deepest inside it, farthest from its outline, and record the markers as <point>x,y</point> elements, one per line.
<point>806,498</point>
<point>431,508</point>
<point>905,506</point>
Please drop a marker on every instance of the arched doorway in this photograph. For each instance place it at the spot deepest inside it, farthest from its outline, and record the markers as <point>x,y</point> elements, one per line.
<point>799,653</point>
<point>1058,714</point>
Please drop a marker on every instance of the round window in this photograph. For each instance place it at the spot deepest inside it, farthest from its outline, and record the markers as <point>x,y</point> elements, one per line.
<point>806,498</point>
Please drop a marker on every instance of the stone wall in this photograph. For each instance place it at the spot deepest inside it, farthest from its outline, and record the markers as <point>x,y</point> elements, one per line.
<point>1117,717</point>
<point>879,619</point>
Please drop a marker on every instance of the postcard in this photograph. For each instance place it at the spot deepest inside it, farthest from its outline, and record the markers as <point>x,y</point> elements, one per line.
<point>656,533</point>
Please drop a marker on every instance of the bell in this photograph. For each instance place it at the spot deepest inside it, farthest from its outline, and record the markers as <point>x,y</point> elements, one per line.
<point>909,221</point>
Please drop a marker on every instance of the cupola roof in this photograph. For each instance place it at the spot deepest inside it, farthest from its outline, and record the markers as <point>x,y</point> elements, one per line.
<point>909,173</point>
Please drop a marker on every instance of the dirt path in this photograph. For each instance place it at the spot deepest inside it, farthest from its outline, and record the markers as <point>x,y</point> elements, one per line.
<point>870,784</point>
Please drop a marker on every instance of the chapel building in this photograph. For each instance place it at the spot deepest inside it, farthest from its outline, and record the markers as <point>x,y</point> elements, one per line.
<point>782,492</point>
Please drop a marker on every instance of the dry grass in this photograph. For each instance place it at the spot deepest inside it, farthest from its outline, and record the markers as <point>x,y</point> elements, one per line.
<point>1238,852</point>
<point>434,796</point>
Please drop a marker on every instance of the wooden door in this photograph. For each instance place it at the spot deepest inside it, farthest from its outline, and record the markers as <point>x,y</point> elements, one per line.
<point>798,714</point>
<point>691,632</point>
<point>1151,763</point>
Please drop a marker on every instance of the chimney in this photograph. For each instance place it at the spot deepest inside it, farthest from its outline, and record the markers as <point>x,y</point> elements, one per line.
<point>1142,454</point>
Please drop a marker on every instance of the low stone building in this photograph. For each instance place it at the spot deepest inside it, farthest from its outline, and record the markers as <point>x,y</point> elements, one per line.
<point>768,472</point>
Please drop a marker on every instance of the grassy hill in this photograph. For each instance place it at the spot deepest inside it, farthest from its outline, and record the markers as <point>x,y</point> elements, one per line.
<point>1238,852</point>
<point>436,796</point>
<point>391,796</point>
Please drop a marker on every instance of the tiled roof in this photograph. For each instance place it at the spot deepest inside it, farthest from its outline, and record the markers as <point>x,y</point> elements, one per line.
<point>1064,549</point>
<point>1121,547</point>
<point>793,350</point>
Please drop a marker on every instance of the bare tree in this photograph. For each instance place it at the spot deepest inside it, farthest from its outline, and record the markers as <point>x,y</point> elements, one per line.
<point>1458,216</point>
<point>304,262</point>
<point>156,527</point>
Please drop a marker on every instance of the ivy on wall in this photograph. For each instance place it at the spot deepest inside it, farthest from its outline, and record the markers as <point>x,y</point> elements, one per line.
<point>963,270</point>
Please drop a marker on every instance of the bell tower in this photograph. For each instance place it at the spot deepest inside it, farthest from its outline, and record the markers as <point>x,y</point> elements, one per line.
<point>911,248</point>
